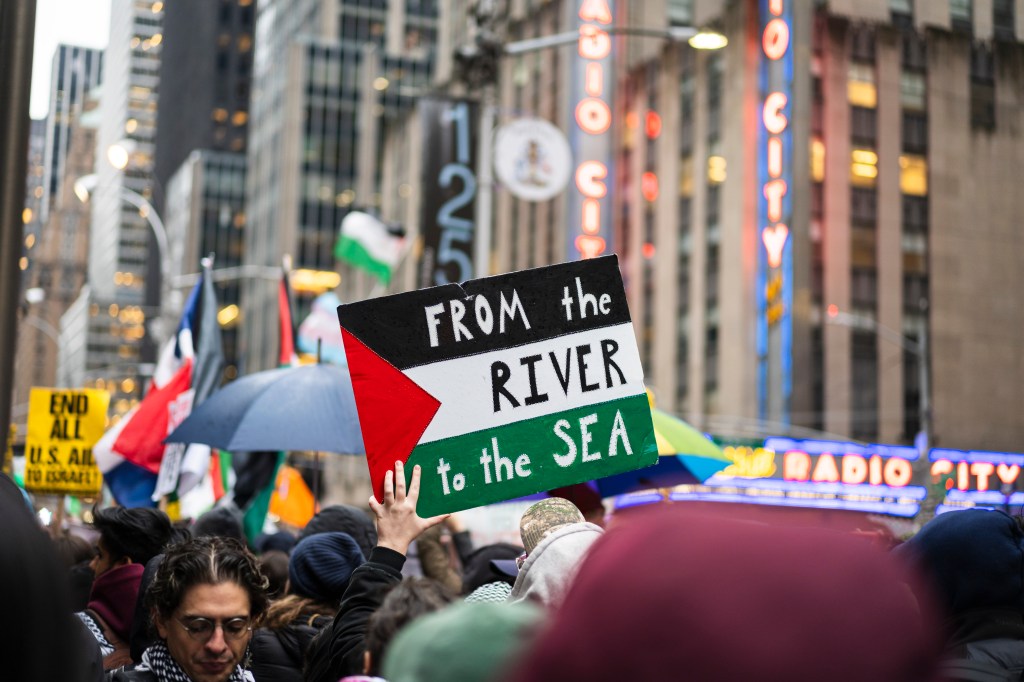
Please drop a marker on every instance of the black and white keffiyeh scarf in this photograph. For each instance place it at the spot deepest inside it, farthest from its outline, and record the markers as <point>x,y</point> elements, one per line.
<point>158,660</point>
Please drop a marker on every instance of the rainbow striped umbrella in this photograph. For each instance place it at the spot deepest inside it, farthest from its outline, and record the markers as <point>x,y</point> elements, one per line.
<point>686,456</point>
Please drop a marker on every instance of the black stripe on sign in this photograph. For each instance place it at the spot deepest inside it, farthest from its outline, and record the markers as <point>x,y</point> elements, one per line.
<point>399,328</point>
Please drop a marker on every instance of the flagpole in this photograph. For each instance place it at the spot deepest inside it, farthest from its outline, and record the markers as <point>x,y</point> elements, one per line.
<point>316,471</point>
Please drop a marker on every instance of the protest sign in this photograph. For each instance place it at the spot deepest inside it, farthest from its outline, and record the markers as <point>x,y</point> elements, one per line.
<point>63,426</point>
<point>501,387</point>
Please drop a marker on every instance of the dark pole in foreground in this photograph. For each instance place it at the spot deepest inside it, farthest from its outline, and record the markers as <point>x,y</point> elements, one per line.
<point>17,32</point>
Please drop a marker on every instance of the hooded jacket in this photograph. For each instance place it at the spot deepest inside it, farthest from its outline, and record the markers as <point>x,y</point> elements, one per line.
<point>974,558</point>
<point>548,572</point>
<point>279,655</point>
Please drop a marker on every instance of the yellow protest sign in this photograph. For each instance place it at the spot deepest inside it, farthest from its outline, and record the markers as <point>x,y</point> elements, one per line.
<point>63,426</point>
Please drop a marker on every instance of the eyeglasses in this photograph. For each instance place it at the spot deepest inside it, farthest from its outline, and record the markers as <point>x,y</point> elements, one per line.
<point>202,629</point>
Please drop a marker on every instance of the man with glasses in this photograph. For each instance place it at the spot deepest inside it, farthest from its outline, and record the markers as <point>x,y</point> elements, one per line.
<point>205,599</point>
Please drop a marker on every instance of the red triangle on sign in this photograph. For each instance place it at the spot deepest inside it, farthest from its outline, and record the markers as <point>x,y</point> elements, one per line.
<point>393,410</point>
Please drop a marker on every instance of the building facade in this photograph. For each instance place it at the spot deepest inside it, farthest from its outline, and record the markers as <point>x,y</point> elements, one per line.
<point>58,265</point>
<point>328,79</point>
<point>204,213</point>
<point>74,71</point>
<point>814,223</point>
<point>201,137</point>
<point>120,233</point>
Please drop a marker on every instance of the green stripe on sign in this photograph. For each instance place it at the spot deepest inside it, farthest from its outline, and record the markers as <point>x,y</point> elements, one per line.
<point>535,455</point>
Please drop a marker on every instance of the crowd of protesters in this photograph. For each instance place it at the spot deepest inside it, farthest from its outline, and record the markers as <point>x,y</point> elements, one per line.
<point>662,593</point>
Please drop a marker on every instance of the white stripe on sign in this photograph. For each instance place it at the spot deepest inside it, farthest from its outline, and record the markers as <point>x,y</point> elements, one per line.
<point>470,388</point>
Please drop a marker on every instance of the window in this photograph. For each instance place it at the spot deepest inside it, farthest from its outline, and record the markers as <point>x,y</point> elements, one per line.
<point>863,168</point>
<point>960,15</point>
<point>860,86</point>
<point>817,160</point>
<point>864,389</point>
<point>913,91</point>
<point>864,287</point>
<point>913,175</point>
<point>915,292</point>
<point>915,214</point>
<point>863,128</point>
<point>863,207</point>
<point>983,88</point>
<point>915,56</point>
<point>915,132</point>
<point>903,7</point>
<point>862,45</point>
<point>680,12</point>
<point>1002,20</point>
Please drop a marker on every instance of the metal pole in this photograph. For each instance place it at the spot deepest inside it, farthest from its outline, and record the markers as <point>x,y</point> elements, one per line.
<point>17,32</point>
<point>485,183</point>
<point>924,400</point>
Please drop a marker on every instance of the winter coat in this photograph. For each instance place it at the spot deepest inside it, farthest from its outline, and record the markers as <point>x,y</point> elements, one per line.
<point>338,650</point>
<point>548,571</point>
<point>279,655</point>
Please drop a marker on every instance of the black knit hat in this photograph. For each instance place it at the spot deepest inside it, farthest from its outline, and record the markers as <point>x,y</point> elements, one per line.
<point>321,565</point>
<point>220,522</point>
<point>344,518</point>
<point>479,570</point>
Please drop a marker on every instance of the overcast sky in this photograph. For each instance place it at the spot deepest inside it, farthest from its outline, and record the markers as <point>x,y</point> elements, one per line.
<point>75,22</point>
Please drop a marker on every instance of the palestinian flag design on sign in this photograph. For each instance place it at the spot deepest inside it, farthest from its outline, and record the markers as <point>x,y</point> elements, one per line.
<point>501,387</point>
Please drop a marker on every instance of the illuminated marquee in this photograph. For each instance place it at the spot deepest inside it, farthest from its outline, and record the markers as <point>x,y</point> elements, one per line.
<point>977,479</point>
<point>590,207</point>
<point>811,473</point>
<point>774,145</point>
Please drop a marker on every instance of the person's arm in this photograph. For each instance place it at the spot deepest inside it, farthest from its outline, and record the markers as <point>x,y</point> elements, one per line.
<point>338,650</point>
<point>461,538</point>
<point>436,561</point>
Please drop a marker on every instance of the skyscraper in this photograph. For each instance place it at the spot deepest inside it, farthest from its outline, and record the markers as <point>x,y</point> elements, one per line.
<point>202,130</point>
<point>119,233</point>
<point>327,79</point>
<point>73,72</point>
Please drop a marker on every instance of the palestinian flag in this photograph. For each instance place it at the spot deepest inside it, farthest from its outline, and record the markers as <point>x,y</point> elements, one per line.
<point>501,387</point>
<point>366,242</point>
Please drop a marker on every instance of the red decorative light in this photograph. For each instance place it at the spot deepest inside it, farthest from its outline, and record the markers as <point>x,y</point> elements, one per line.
<point>652,125</point>
<point>649,186</point>
<point>648,250</point>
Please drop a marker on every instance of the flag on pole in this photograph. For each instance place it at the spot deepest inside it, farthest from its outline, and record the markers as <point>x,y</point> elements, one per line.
<point>206,379</point>
<point>320,331</point>
<point>130,453</point>
<point>259,471</point>
<point>365,242</point>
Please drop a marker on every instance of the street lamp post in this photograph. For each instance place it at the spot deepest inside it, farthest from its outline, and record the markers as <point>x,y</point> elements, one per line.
<point>918,348</point>
<point>478,63</point>
<point>86,185</point>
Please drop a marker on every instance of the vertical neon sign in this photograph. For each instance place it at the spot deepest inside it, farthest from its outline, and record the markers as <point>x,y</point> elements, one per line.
<point>775,260</point>
<point>589,206</point>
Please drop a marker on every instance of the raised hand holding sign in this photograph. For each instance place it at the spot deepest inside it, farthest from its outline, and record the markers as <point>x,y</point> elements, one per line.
<point>501,387</point>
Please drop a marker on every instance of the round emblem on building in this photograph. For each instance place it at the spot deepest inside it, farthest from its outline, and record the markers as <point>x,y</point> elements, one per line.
<point>532,159</point>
